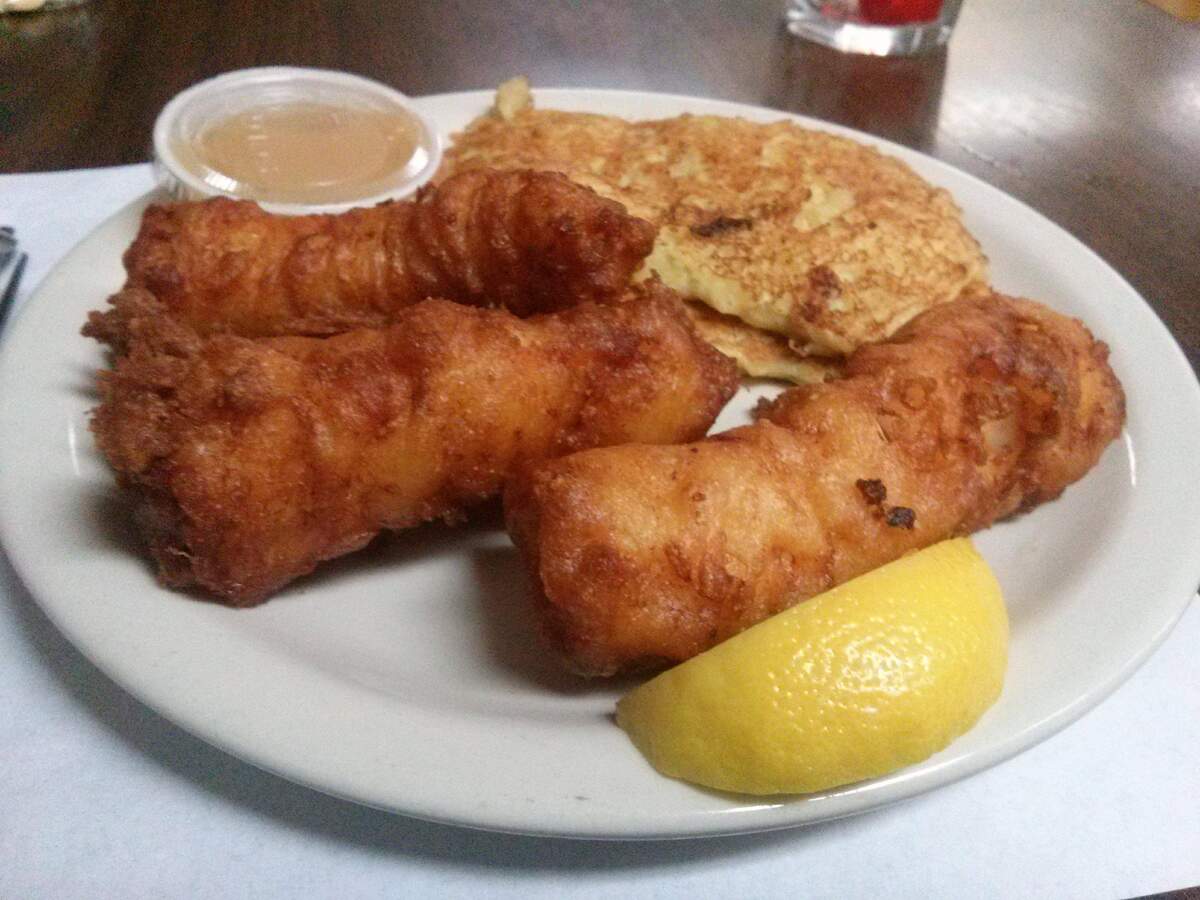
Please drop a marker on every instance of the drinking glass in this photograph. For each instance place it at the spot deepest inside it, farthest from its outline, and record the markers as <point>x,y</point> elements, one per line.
<point>878,27</point>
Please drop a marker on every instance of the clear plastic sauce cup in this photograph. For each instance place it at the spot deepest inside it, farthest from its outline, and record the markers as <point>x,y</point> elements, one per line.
<point>294,140</point>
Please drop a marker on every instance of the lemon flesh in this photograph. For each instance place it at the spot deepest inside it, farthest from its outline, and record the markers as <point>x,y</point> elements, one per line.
<point>871,676</point>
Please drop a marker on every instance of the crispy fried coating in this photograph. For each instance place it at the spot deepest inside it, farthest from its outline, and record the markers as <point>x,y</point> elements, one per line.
<point>796,231</point>
<point>976,410</point>
<point>528,241</point>
<point>253,460</point>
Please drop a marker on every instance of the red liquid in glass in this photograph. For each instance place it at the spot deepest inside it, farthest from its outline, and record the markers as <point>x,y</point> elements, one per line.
<point>899,12</point>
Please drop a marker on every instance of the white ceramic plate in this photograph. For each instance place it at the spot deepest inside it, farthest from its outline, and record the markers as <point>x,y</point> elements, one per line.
<point>410,677</point>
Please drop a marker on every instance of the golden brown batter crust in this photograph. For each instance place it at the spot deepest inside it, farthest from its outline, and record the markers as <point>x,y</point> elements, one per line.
<point>974,411</point>
<point>528,241</point>
<point>253,460</point>
<point>800,232</point>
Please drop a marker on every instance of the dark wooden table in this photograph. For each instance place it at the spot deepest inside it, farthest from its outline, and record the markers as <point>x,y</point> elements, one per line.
<point>1089,111</point>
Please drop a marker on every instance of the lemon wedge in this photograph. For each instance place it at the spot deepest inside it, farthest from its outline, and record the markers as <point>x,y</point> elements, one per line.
<point>874,675</point>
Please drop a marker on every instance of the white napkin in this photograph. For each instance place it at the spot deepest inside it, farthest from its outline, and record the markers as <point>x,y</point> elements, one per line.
<point>52,212</point>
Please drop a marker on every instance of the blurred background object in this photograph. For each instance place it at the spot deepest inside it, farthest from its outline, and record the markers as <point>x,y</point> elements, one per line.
<point>15,6</point>
<point>1184,9</point>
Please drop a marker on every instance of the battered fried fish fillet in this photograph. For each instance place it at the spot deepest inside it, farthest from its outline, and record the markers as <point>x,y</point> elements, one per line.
<point>804,233</point>
<point>976,410</point>
<point>253,460</point>
<point>528,241</point>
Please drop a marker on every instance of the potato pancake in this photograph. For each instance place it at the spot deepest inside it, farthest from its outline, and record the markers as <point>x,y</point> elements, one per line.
<point>806,234</point>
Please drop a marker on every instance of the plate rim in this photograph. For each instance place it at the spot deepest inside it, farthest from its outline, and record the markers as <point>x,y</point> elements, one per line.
<point>766,815</point>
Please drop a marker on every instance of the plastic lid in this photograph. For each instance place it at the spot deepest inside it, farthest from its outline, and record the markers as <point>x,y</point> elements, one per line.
<point>188,173</point>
